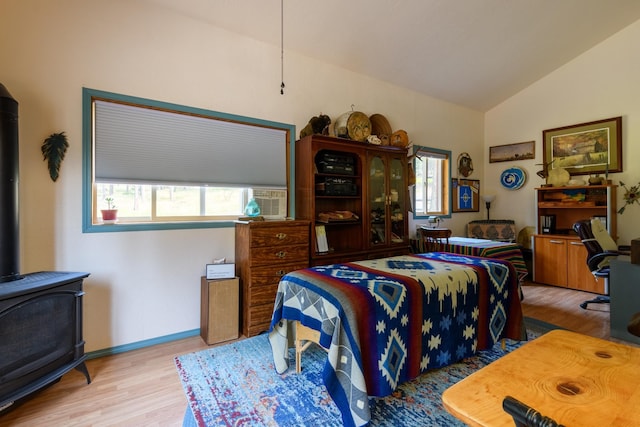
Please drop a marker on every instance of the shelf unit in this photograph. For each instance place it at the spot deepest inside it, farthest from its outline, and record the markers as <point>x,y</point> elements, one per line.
<point>559,257</point>
<point>571,204</point>
<point>367,181</point>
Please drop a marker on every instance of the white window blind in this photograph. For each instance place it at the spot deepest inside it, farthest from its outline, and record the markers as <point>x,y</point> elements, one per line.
<point>138,144</point>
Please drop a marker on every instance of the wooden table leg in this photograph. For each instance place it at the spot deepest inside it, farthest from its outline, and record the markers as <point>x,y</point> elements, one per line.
<point>305,336</point>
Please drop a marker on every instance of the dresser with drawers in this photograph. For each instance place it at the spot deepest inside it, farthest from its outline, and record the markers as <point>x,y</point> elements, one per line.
<point>265,251</point>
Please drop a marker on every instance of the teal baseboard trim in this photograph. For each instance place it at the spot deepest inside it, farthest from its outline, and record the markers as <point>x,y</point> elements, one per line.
<point>142,344</point>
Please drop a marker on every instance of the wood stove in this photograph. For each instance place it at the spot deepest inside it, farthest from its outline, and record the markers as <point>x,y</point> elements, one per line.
<point>40,313</point>
<point>40,332</point>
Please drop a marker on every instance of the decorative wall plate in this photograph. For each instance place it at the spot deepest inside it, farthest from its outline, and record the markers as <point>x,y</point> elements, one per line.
<point>513,178</point>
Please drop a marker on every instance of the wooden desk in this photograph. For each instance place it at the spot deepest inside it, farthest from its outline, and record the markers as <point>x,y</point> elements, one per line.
<point>572,378</point>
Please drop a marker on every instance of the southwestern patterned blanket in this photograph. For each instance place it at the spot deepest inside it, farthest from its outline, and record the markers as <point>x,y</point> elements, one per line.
<point>388,320</point>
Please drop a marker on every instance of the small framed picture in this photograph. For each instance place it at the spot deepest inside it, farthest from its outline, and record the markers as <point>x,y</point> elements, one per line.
<point>509,152</point>
<point>466,195</point>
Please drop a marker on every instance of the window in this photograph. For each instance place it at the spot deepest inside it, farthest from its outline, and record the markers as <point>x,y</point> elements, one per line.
<point>433,172</point>
<point>171,166</point>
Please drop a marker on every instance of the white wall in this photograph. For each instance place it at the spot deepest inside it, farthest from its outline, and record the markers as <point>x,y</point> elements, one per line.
<point>599,84</point>
<point>146,284</point>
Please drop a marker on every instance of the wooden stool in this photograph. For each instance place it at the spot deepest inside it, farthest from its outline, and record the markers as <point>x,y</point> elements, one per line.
<point>305,336</point>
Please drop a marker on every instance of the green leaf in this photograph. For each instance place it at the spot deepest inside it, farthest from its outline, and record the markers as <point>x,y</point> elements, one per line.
<point>54,149</point>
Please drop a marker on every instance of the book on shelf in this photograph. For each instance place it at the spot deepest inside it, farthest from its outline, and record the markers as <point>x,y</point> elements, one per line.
<point>548,224</point>
<point>321,239</point>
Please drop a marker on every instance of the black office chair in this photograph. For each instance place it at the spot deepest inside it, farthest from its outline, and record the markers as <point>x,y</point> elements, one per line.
<point>595,257</point>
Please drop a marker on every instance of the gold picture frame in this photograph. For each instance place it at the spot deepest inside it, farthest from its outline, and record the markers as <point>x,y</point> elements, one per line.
<point>585,148</point>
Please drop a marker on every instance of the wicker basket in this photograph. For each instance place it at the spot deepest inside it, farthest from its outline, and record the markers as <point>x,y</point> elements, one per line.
<point>381,128</point>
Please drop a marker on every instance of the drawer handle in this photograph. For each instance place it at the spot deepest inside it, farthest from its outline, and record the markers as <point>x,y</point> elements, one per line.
<point>281,272</point>
<point>576,243</point>
<point>281,254</point>
<point>557,242</point>
<point>281,236</point>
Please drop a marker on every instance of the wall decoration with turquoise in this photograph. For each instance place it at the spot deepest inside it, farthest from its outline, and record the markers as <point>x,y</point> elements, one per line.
<point>513,178</point>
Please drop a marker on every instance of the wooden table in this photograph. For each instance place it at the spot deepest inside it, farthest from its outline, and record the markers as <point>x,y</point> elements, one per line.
<point>572,378</point>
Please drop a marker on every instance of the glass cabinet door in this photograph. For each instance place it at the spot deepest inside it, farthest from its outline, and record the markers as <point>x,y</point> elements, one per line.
<point>397,200</point>
<point>377,201</point>
<point>387,200</point>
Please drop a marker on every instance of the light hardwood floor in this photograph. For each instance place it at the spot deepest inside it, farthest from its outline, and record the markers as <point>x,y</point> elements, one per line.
<point>142,388</point>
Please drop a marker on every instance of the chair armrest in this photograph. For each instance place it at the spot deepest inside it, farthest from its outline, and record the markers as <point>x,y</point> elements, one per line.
<point>594,262</point>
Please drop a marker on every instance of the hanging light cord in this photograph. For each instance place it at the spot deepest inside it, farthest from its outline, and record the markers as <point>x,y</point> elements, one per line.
<point>282,46</point>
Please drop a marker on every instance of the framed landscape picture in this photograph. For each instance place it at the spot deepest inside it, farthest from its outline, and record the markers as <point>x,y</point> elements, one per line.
<point>585,148</point>
<point>518,151</point>
<point>466,195</point>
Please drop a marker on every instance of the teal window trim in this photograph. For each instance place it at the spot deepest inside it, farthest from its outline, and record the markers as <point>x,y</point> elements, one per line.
<point>87,160</point>
<point>417,148</point>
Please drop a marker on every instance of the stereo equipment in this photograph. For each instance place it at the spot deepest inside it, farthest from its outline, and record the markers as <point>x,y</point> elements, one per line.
<point>331,186</point>
<point>337,164</point>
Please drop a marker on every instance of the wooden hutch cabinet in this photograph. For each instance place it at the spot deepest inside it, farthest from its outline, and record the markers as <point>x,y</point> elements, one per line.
<point>559,256</point>
<point>266,251</point>
<point>355,195</point>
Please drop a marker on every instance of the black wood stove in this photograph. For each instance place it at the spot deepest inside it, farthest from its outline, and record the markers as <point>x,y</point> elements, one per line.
<point>40,313</point>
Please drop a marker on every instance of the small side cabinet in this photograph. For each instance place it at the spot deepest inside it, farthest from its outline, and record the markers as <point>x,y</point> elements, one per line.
<point>219,310</point>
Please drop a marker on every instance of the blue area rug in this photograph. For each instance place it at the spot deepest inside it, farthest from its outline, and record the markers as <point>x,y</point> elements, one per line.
<point>236,385</point>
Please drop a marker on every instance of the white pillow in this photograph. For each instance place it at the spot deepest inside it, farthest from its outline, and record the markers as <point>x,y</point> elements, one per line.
<point>604,240</point>
<point>602,236</point>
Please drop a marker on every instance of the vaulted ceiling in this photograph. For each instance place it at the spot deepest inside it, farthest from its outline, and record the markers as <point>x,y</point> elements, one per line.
<point>475,53</point>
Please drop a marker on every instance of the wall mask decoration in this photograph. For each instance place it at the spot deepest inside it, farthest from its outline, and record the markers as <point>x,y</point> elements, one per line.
<point>465,165</point>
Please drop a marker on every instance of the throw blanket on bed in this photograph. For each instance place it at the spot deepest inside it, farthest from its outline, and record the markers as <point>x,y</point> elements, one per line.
<point>386,321</point>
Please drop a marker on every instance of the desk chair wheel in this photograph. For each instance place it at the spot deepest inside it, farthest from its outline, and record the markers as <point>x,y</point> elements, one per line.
<point>602,299</point>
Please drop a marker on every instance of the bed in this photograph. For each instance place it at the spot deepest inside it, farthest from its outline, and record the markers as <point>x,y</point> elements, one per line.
<point>388,320</point>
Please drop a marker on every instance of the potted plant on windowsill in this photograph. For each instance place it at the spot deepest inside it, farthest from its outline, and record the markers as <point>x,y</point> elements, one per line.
<point>109,215</point>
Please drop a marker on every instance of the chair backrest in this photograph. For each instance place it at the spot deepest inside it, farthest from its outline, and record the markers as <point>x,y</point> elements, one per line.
<point>601,248</point>
<point>584,231</point>
<point>431,237</point>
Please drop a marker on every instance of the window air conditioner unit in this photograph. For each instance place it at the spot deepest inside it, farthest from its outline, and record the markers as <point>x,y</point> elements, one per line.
<point>272,202</point>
